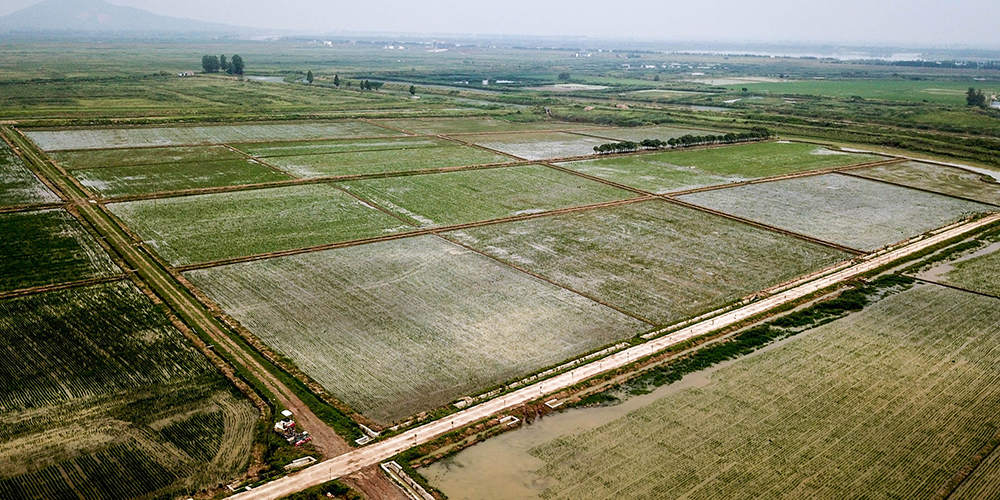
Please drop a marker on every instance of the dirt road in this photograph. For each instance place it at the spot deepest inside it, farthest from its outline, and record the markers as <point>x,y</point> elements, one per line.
<point>359,459</point>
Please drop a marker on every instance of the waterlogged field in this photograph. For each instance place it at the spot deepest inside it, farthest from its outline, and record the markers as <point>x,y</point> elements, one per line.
<point>48,247</point>
<point>639,133</point>
<point>147,179</point>
<point>679,170</point>
<point>654,259</point>
<point>857,213</point>
<point>299,148</point>
<point>18,184</point>
<point>204,228</point>
<point>54,140</point>
<point>889,402</point>
<point>404,326</point>
<point>478,195</point>
<point>981,273</point>
<point>539,145</point>
<point>103,398</point>
<point>394,160</point>
<point>941,179</point>
<point>88,159</point>
<point>476,125</point>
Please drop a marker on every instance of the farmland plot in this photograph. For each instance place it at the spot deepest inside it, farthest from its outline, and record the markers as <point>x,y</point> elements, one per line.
<point>540,145</point>
<point>947,180</point>
<point>981,273</point>
<point>477,195</point>
<point>656,260</point>
<point>146,179</point>
<point>399,327</point>
<point>394,160</point>
<point>220,226</point>
<point>679,170</point>
<point>854,212</point>
<point>48,247</point>
<point>142,156</point>
<point>18,184</point>
<point>299,148</point>
<point>55,140</point>
<point>95,382</point>
<point>984,482</point>
<point>639,133</point>
<point>889,402</point>
<point>476,125</point>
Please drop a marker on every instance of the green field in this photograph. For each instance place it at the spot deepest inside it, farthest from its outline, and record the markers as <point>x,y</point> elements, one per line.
<point>941,179</point>
<point>538,145</point>
<point>944,92</point>
<point>678,170</point>
<point>654,259</point>
<point>18,185</point>
<point>476,125</point>
<point>204,228</point>
<point>886,403</point>
<point>56,140</point>
<point>48,247</point>
<point>96,385</point>
<point>88,159</point>
<point>637,134</point>
<point>478,195</point>
<point>400,327</point>
<point>980,273</point>
<point>298,148</point>
<point>393,160</point>
<point>146,179</point>
<point>854,212</point>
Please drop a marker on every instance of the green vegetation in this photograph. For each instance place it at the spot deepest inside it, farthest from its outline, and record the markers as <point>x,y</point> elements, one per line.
<point>103,396</point>
<point>146,179</point>
<point>679,170</point>
<point>272,149</point>
<point>100,158</point>
<point>329,489</point>
<point>884,402</point>
<point>392,160</point>
<point>459,322</point>
<point>663,133</point>
<point>946,180</point>
<point>48,247</point>
<point>18,185</point>
<point>476,125</point>
<point>212,227</point>
<point>654,259</point>
<point>478,195</point>
<point>980,273</point>
<point>854,212</point>
<point>683,141</point>
<point>937,91</point>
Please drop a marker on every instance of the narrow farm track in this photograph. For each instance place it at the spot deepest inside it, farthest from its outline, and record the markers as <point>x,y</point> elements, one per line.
<point>382,450</point>
<point>60,286</point>
<point>179,299</point>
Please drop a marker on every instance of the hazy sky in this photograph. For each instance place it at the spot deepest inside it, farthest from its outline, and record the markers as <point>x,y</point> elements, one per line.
<point>915,22</point>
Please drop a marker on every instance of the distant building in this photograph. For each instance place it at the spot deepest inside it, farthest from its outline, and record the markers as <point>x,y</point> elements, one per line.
<point>186,73</point>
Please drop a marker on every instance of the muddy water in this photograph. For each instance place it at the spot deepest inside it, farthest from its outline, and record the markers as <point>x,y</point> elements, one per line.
<point>501,469</point>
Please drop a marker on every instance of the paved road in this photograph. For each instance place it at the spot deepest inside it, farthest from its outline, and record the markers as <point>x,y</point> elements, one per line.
<point>380,451</point>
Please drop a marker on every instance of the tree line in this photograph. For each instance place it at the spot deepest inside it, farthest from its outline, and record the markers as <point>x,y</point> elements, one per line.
<point>755,134</point>
<point>215,64</point>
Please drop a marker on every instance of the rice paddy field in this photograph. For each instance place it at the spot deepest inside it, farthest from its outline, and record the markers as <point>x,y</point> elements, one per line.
<point>48,247</point>
<point>76,139</point>
<point>384,161</point>
<point>679,170</point>
<point>539,145</point>
<point>103,398</point>
<point>476,125</point>
<point>980,273</point>
<point>884,403</point>
<point>941,179</point>
<point>166,177</point>
<point>654,259</point>
<point>18,184</point>
<point>134,157</point>
<point>404,326</point>
<point>203,228</point>
<point>478,195</point>
<point>857,213</point>
<point>317,147</point>
<point>637,134</point>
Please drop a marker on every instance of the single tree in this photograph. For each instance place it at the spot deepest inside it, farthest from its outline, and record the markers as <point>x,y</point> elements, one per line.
<point>210,64</point>
<point>223,63</point>
<point>336,80</point>
<point>564,76</point>
<point>656,78</point>
<point>375,85</point>
<point>236,65</point>
<point>975,98</point>
<point>413,90</point>
<point>309,76</point>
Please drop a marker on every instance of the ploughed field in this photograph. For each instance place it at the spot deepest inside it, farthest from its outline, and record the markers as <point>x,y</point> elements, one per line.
<point>101,397</point>
<point>18,185</point>
<point>889,402</point>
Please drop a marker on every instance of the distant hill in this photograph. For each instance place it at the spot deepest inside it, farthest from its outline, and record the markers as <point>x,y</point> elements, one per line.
<point>98,16</point>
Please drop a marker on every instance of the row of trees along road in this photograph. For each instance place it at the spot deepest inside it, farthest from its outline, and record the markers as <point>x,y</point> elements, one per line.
<point>215,64</point>
<point>756,134</point>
